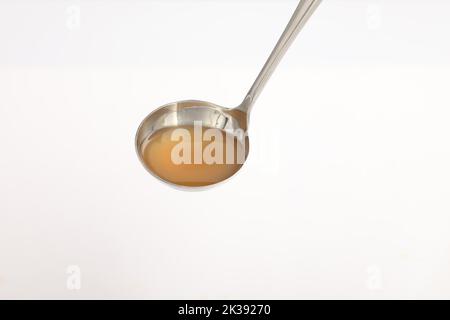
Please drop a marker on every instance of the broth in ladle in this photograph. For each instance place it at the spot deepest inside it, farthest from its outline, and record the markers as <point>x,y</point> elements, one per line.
<point>193,156</point>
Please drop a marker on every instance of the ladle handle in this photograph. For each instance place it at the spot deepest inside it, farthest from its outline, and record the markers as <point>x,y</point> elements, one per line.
<point>301,15</point>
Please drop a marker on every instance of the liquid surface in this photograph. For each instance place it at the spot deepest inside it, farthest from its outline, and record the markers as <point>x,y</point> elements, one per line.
<point>193,157</point>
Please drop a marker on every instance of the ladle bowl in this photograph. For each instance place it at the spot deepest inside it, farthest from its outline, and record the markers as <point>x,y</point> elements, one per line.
<point>186,113</point>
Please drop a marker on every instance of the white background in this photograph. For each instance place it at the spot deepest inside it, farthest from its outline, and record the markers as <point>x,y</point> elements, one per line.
<point>346,190</point>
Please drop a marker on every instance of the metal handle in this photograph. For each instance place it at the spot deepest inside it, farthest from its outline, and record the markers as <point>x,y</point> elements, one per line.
<point>301,15</point>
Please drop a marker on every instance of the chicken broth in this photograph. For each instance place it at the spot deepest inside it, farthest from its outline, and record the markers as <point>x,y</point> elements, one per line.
<point>193,155</point>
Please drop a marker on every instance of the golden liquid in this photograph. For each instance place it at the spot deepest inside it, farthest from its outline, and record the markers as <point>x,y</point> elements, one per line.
<point>157,154</point>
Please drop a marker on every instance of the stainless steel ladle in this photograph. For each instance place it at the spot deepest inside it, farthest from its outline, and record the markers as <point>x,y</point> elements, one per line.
<point>184,113</point>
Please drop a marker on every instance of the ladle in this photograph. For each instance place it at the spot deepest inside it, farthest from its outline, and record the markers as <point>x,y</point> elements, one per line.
<point>185,113</point>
